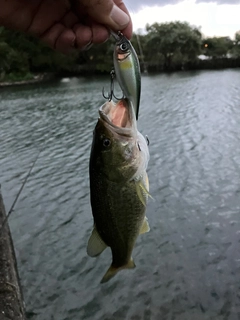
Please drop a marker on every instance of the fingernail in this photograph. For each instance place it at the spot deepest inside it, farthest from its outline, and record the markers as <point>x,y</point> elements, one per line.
<point>119,17</point>
<point>74,44</point>
<point>87,46</point>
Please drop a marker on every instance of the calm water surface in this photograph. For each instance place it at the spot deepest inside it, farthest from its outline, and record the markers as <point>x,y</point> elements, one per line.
<point>188,265</point>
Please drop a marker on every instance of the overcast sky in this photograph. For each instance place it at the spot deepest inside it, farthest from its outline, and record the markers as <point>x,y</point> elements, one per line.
<point>219,18</point>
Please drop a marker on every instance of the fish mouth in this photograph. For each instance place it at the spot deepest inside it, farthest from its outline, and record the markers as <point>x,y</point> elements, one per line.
<point>119,117</point>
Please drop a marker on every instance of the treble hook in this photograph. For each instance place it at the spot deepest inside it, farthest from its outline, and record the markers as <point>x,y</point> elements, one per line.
<point>111,94</point>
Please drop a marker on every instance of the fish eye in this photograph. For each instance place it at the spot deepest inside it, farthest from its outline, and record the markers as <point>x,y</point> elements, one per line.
<point>106,142</point>
<point>124,46</point>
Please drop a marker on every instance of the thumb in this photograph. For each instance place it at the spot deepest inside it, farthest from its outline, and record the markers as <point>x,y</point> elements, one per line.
<point>112,14</point>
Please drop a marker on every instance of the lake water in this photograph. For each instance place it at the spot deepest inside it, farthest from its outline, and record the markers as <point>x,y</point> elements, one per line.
<point>188,265</point>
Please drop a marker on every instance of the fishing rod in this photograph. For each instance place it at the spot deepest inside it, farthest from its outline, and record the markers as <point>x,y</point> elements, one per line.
<point>18,194</point>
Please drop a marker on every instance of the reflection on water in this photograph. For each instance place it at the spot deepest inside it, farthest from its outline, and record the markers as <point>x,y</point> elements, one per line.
<point>188,265</point>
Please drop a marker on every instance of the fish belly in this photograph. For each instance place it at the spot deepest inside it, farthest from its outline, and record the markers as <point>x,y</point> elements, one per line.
<point>118,215</point>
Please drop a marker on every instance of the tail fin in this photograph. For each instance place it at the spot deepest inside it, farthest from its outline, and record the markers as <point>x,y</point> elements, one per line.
<point>112,271</point>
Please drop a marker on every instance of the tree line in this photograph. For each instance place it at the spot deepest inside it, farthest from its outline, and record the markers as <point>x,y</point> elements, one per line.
<point>164,47</point>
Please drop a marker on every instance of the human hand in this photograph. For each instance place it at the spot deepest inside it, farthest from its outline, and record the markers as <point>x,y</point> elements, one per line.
<point>67,24</point>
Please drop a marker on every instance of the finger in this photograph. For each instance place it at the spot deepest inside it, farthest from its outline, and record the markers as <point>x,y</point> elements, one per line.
<point>100,34</point>
<point>70,19</point>
<point>128,30</point>
<point>47,14</point>
<point>60,38</point>
<point>84,36</point>
<point>65,43</point>
<point>107,12</point>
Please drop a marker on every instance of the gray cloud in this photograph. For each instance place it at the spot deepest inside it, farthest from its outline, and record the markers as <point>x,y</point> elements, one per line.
<point>135,5</point>
<point>220,1</point>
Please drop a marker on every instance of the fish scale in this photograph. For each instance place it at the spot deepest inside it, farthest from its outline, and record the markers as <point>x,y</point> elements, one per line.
<point>118,199</point>
<point>124,224</point>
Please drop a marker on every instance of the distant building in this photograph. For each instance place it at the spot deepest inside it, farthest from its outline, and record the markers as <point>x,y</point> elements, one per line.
<point>203,57</point>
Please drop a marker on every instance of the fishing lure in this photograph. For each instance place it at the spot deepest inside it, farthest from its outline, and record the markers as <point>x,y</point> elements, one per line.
<point>127,70</point>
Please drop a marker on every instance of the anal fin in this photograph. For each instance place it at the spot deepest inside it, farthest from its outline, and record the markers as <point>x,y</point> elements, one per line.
<point>95,244</point>
<point>145,226</point>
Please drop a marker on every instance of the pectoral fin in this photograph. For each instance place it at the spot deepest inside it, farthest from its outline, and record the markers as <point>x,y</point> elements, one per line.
<point>95,244</point>
<point>112,271</point>
<point>147,182</point>
<point>145,226</point>
<point>142,190</point>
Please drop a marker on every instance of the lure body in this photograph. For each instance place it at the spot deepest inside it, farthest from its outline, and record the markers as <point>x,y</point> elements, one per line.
<point>127,70</point>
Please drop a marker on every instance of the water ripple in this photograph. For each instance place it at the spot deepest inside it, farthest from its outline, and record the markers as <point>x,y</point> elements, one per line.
<point>188,264</point>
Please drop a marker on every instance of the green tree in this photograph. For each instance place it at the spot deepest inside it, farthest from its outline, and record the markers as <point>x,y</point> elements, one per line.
<point>217,47</point>
<point>139,42</point>
<point>10,60</point>
<point>173,42</point>
<point>236,45</point>
<point>99,58</point>
<point>21,54</point>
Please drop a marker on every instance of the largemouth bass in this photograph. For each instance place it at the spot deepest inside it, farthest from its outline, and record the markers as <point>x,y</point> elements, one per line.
<point>119,185</point>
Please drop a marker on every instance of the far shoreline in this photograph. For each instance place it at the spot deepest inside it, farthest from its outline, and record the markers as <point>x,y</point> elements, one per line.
<point>198,65</point>
<point>36,79</point>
